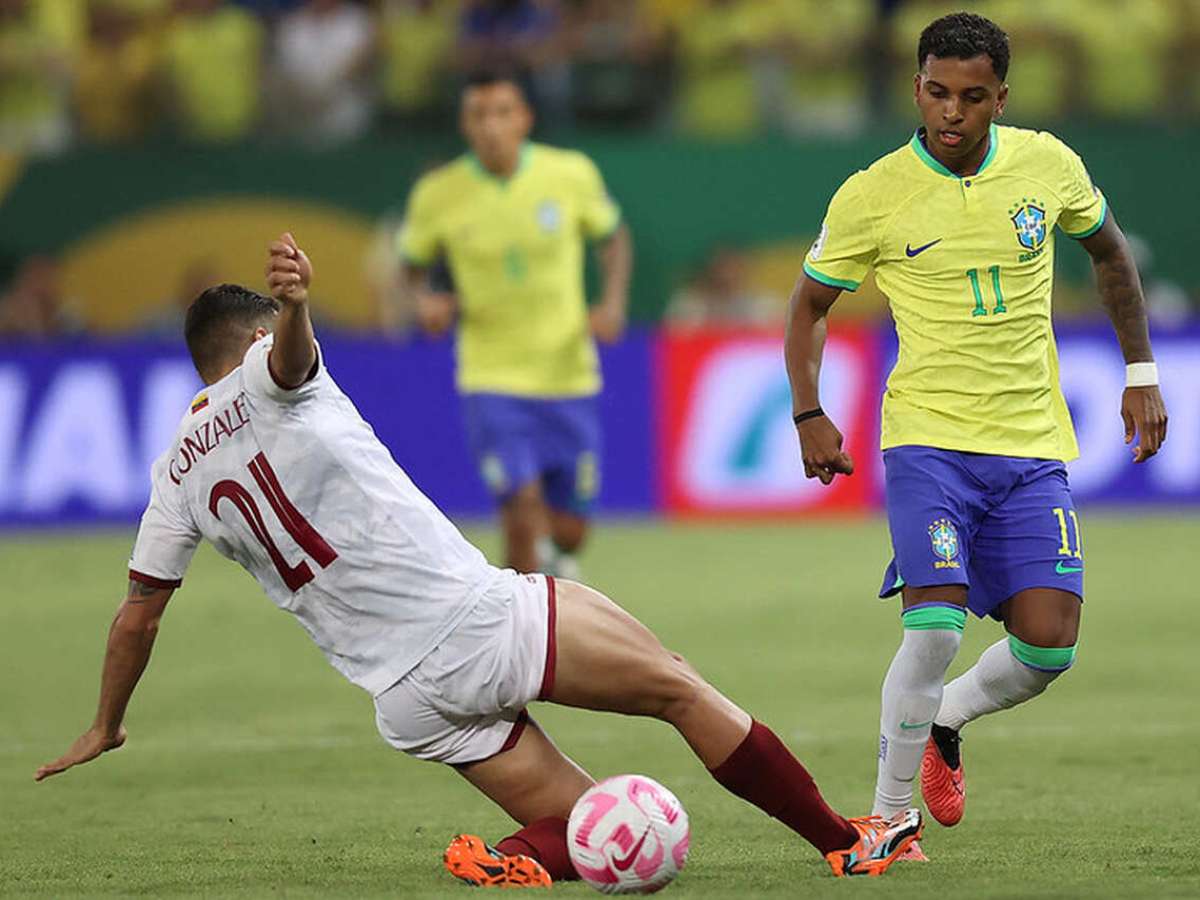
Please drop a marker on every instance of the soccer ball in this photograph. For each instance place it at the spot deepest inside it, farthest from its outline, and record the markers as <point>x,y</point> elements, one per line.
<point>628,835</point>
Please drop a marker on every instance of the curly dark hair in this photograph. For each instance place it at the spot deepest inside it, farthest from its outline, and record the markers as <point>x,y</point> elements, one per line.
<point>964,35</point>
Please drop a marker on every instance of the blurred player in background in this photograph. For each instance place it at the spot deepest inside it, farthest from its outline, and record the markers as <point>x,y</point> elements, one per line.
<point>958,225</point>
<point>275,467</point>
<point>511,219</point>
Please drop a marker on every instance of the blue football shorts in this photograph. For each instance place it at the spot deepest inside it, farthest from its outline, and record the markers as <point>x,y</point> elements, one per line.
<point>997,524</point>
<point>517,440</point>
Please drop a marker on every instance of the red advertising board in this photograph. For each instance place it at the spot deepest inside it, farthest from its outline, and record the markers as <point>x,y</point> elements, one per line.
<point>728,444</point>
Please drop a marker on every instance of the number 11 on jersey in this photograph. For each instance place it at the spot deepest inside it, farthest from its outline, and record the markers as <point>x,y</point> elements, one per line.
<point>980,309</point>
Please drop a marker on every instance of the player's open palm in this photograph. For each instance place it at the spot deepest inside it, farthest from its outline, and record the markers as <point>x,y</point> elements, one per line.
<point>87,747</point>
<point>1145,417</point>
<point>289,271</point>
<point>821,450</point>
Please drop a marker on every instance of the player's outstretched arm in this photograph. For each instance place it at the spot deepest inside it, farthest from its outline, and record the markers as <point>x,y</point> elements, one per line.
<point>616,266</point>
<point>288,275</point>
<point>129,641</point>
<point>820,441</point>
<point>1142,407</point>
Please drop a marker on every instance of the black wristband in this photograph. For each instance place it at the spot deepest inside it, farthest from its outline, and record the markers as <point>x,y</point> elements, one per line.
<point>808,414</point>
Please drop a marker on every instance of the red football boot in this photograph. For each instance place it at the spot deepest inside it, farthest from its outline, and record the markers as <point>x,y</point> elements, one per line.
<point>942,782</point>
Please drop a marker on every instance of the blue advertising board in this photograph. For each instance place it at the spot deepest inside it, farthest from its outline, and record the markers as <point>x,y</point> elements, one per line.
<point>81,421</point>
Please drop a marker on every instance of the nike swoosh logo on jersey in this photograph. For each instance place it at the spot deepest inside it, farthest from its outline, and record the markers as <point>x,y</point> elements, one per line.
<point>911,251</point>
<point>1064,569</point>
<point>623,863</point>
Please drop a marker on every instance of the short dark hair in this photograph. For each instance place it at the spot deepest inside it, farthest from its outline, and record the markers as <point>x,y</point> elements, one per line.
<point>220,320</point>
<point>964,35</point>
<point>486,77</point>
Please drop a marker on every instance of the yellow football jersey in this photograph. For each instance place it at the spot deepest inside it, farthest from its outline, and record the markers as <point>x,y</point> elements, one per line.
<point>967,265</point>
<point>515,248</point>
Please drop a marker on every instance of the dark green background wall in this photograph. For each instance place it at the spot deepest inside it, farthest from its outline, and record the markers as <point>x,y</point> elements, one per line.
<point>679,196</point>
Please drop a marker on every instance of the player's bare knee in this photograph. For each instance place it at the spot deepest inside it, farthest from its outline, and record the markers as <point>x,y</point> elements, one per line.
<point>681,689</point>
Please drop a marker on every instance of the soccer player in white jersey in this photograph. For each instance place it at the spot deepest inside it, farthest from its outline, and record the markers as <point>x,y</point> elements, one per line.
<point>959,227</point>
<point>274,466</point>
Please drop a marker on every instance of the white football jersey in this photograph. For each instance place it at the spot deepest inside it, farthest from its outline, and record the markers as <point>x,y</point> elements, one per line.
<point>294,485</point>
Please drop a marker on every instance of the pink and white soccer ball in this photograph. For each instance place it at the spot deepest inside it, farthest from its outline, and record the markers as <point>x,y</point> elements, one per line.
<point>628,835</point>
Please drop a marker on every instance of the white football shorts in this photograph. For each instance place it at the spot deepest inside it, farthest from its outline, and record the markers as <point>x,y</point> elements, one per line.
<point>465,701</point>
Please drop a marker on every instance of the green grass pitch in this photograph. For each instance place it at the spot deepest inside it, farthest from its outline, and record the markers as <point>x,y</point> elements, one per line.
<point>253,770</point>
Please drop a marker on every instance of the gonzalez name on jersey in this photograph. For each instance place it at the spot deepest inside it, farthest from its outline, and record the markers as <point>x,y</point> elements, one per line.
<point>294,485</point>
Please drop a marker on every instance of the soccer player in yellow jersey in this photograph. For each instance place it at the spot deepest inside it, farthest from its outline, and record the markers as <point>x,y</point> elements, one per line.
<point>959,227</point>
<point>511,219</point>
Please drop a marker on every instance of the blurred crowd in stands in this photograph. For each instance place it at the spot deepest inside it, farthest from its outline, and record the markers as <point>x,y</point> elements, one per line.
<point>99,72</point>
<point>330,70</point>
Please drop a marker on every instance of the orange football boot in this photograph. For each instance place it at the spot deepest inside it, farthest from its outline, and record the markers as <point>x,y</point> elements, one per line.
<point>469,859</point>
<point>942,782</point>
<point>880,842</point>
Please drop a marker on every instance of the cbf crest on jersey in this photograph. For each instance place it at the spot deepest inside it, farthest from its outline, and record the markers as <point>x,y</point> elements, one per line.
<point>549,216</point>
<point>944,538</point>
<point>1029,218</point>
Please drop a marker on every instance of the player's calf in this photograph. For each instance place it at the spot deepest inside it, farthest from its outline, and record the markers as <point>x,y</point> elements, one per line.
<point>911,696</point>
<point>1008,673</point>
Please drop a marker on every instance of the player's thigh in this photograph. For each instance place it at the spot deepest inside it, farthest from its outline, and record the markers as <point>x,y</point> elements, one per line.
<point>937,593</point>
<point>605,659</point>
<point>1028,555</point>
<point>530,781</point>
<point>1043,617</point>
<point>501,434</point>
<point>569,451</point>
<point>932,509</point>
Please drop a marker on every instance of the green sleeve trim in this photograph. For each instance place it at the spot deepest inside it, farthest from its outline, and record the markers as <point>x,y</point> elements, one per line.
<point>1090,231</point>
<point>934,618</point>
<point>844,283</point>
<point>1044,659</point>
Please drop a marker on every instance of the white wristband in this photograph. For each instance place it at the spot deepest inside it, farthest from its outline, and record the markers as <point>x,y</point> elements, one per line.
<point>1141,374</point>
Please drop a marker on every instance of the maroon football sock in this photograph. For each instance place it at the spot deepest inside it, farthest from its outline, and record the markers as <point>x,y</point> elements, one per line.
<point>546,841</point>
<point>763,771</point>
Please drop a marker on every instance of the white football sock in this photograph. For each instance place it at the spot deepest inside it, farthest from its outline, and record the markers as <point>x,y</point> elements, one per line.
<point>997,681</point>
<point>912,693</point>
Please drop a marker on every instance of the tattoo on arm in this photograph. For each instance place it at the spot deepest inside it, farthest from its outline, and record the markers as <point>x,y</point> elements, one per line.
<point>1120,290</point>
<point>1121,294</point>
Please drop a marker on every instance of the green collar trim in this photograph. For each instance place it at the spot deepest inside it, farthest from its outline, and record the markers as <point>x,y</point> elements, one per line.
<point>926,157</point>
<point>482,171</point>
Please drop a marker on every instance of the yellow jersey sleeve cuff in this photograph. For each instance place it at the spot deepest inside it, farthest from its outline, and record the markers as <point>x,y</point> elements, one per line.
<point>829,281</point>
<point>1088,232</point>
<point>603,234</point>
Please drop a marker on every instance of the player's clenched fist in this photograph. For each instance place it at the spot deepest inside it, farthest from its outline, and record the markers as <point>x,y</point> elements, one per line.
<point>821,449</point>
<point>288,270</point>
